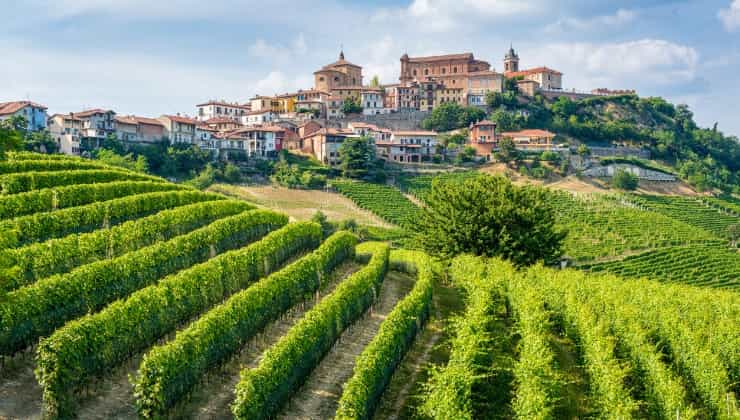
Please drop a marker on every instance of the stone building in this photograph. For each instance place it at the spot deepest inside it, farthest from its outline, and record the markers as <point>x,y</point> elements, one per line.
<point>546,78</point>
<point>452,70</point>
<point>340,74</point>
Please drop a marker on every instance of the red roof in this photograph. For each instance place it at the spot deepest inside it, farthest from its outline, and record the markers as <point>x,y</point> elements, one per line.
<point>483,123</point>
<point>7,108</point>
<point>415,133</point>
<point>91,112</point>
<point>528,133</point>
<point>463,56</point>
<point>181,120</point>
<point>223,103</point>
<point>126,120</point>
<point>147,121</point>
<point>532,71</point>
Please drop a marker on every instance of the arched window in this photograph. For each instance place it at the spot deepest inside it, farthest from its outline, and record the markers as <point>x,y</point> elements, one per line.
<point>336,78</point>
<point>414,72</point>
<point>444,70</point>
<point>454,69</point>
<point>426,72</point>
<point>354,81</point>
<point>321,79</point>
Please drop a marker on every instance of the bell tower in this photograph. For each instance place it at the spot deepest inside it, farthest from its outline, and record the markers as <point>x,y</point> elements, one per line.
<point>511,61</point>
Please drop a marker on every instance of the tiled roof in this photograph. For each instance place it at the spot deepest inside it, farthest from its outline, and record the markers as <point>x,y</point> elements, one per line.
<point>70,117</point>
<point>483,123</point>
<point>415,133</point>
<point>463,56</point>
<point>7,108</point>
<point>535,70</point>
<point>223,103</point>
<point>148,121</point>
<point>91,112</point>
<point>528,133</point>
<point>181,120</point>
<point>126,120</point>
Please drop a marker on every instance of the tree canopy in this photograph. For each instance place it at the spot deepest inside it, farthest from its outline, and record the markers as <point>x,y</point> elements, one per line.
<point>487,215</point>
<point>356,156</point>
<point>450,115</point>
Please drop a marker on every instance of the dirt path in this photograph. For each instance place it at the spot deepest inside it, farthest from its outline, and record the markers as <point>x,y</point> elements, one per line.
<point>20,393</point>
<point>399,400</point>
<point>319,396</point>
<point>212,398</point>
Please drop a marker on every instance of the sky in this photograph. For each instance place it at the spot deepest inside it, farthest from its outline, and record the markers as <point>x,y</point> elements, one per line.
<point>153,57</point>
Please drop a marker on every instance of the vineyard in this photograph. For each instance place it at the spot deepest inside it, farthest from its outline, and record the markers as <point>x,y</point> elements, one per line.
<point>106,274</point>
<point>699,265</point>
<point>383,200</point>
<point>543,343</point>
<point>126,297</point>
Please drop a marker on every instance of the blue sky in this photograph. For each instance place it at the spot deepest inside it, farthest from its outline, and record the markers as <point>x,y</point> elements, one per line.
<point>151,57</point>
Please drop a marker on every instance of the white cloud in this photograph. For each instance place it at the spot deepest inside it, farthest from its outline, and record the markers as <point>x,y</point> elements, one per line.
<point>277,82</point>
<point>634,64</point>
<point>445,15</point>
<point>619,18</point>
<point>730,17</point>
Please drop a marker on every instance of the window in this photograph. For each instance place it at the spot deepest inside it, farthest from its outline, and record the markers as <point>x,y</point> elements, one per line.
<point>426,72</point>
<point>321,79</point>
<point>454,69</point>
<point>336,78</point>
<point>444,70</point>
<point>414,72</point>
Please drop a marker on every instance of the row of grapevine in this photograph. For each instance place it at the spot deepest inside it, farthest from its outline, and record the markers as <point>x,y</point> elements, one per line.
<point>25,265</point>
<point>15,183</point>
<point>420,185</point>
<point>36,310</point>
<point>22,155</point>
<point>538,383</point>
<point>48,165</point>
<point>607,373</point>
<point>169,371</point>
<point>50,199</point>
<point>689,210</point>
<point>285,366</point>
<point>702,265</point>
<point>94,344</point>
<point>383,200</point>
<point>375,366</point>
<point>42,226</point>
<point>449,391</point>
<point>725,203</point>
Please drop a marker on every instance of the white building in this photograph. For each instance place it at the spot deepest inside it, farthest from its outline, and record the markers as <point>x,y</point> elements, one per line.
<point>261,117</point>
<point>408,146</point>
<point>254,142</point>
<point>66,129</point>
<point>35,114</point>
<point>372,102</point>
<point>179,129</point>
<point>221,109</point>
<point>376,133</point>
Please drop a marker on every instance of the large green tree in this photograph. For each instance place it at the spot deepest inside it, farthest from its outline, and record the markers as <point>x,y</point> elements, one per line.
<point>10,137</point>
<point>356,156</point>
<point>487,215</point>
<point>450,115</point>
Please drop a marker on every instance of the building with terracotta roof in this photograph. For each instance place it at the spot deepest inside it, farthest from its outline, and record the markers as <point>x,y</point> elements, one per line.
<point>35,114</point>
<point>66,130</point>
<point>378,134</point>
<point>340,73</point>
<point>324,143</point>
<point>546,78</point>
<point>261,117</point>
<point>408,146</point>
<point>482,138</point>
<point>222,123</point>
<point>221,109</point>
<point>251,142</point>
<point>530,139</point>
<point>179,129</point>
<point>450,69</point>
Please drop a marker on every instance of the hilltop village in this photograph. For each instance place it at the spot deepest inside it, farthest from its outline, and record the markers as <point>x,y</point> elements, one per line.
<point>341,104</point>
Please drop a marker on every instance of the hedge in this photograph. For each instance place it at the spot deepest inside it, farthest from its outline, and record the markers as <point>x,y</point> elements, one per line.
<point>262,391</point>
<point>96,343</point>
<point>36,310</point>
<point>42,226</point>
<point>375,365</point>
<point>50,199</point>
<point>9,167</point>
<point>34,180</point>
<point>23,266</point>
<point>169,371</point>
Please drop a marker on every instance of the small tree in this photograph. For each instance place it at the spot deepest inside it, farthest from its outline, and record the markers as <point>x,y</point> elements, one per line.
<point>625,180</point>
<point>583,150</point>
<point>10,137</point>
<point>351,106</point>
<point>326,227</point>
<point>733,232</point>
<point>487,215</point>
<point>356,156</point>
<point>507,151</point>
<point>375,82</point>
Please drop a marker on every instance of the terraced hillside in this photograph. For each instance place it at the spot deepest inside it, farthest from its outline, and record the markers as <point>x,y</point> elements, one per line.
<point>110,278</point>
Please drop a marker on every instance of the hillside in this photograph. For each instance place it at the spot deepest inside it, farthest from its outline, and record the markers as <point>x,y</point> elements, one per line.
<point>125,297</point>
